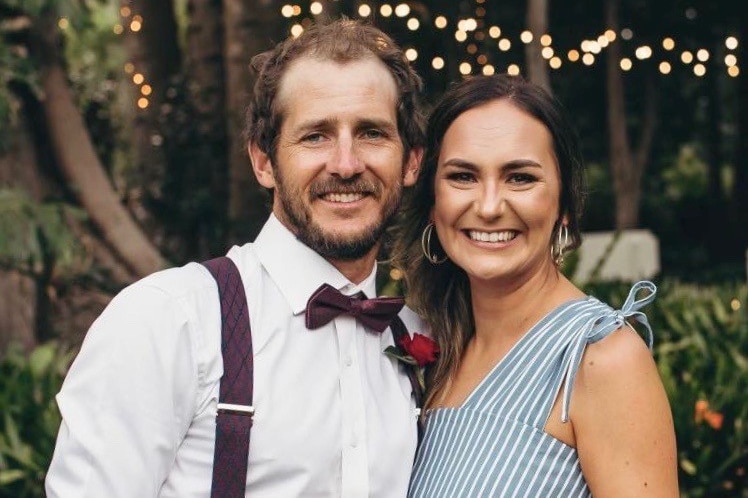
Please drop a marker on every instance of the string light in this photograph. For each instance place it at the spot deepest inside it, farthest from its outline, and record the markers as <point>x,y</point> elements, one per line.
<point>488,70</point>
<point>296,10</point>
<point>665,67</point>
<point>513,69</point>
<point>573,55</point>
<point>627,34</point>
<point>730,60</point>
<point>440,22</point>
<point>437,63</point>
<point>125,11</point>
<point>504,44</point>
<point>546,40</point>
<point>731,42</point>
<point>315,8</point>
<point>143,102</point>
<point>494,31</point>
<point>63,23</point>
<point>686,57</point>
<point>118,29</point>
<point>411,54</point>
<point>610,35</point>
<point>296,30</point>
<point>460,35</point>
<point>588,59</point>
<point>129,67</point>
<point>603,41</point>
<point>482,59</point>
<point>668,43</point>
<point>526,37</point>
<point>626,64</point>
<point>547,52</point>
<point>702,55</point>
<point>138,78</point>
<point>733,71</point>
<point>465,68</point>
<point>385,10</point>
<point>287,11</point>
<point>472,48</point>
<point>699,70</point>
<point>146,90</point>
<point>413,24</point>
<point>402,10</point>
<point>555,62</point>
<point>643,52</point>
<point>135,26</point>
<point>364,10</point>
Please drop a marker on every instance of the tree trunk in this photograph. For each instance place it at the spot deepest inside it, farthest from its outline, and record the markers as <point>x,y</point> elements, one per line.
<point>627,166</point>
<point>207,96</point>
<point>739,195</point>
<point>77,159</point>
<point>154,52</point>
<point>251,27</point>
<point>537,23</point>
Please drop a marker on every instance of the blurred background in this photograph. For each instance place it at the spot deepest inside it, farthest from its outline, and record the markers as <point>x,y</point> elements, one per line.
<point>122,152</point>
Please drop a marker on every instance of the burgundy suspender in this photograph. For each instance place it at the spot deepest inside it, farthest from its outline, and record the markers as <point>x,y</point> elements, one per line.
<point>234,419</point>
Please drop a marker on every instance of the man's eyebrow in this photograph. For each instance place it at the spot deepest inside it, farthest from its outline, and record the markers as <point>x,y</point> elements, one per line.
<point>383,124</point>
<point>316,124</point>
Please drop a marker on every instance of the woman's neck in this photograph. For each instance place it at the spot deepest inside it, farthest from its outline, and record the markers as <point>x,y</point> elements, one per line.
<point>504,311</point>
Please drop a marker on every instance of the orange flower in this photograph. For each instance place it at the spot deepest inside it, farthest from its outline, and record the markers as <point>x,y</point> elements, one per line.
<point>702,406</point>
<point>714,419</point>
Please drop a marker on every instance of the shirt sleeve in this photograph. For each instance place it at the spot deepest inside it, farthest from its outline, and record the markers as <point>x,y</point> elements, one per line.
<point>127,400</point>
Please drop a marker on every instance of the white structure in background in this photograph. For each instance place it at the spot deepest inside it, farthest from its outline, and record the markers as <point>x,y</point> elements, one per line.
<point>635,256</point>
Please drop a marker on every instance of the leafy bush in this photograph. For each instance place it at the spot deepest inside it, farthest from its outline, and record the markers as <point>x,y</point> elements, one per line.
<point>701,342</point>
<point>30,418</point>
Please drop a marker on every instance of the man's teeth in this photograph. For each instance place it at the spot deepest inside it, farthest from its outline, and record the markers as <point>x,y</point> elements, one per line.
<point>343,197</point>
<point>505,236</point>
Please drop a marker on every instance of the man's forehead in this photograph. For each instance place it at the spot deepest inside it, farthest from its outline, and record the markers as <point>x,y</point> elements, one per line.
<point>310,71</point>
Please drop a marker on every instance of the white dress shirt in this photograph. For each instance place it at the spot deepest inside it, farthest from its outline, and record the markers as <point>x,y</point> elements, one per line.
<point>333,415</point>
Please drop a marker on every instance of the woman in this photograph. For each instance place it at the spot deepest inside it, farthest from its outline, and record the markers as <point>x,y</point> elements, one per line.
<point>540,390</point>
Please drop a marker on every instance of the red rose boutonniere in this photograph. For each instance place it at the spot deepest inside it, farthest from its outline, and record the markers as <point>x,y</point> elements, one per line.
<point>417,352</point>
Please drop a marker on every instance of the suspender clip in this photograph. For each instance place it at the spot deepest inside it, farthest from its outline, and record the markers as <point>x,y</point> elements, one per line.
<point>247,410</point>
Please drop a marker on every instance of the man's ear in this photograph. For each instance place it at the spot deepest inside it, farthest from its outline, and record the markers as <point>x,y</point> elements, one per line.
<point>262,166</point>
<point>413,166</point>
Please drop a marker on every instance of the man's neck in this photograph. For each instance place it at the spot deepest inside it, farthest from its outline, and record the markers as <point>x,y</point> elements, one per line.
<point>357,270</point>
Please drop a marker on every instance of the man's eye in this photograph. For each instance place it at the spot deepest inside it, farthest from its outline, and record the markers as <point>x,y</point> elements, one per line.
<point>313,138</point>
<point>372,134</point>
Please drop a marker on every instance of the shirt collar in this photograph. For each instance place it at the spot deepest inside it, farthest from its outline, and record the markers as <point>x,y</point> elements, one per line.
<point>297,270</point>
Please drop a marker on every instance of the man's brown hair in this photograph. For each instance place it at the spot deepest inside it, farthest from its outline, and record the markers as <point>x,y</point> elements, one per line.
<point>342,40</point>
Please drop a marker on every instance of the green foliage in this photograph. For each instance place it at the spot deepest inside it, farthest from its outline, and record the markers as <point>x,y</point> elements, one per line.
<point>701,341</point>
<point>30,418</point>
<point>36,238</point>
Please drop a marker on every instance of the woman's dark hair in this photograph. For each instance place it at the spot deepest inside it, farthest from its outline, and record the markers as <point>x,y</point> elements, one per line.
<point>441,293</point>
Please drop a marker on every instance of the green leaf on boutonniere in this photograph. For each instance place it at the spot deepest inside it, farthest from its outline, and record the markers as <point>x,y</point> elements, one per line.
<point>397,353</point>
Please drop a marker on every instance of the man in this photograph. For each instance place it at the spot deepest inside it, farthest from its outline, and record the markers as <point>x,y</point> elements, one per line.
<point>335,132</point>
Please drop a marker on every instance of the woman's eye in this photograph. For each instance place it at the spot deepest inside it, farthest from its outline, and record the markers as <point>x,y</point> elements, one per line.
<point>461,177</point>
<point>521,178</point>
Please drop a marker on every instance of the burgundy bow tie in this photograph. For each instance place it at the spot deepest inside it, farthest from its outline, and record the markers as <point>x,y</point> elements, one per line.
<point>327,302</point>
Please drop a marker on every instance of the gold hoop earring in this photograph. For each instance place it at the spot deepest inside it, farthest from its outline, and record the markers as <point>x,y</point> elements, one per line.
<point>426,246</point>
<point>559,247</point>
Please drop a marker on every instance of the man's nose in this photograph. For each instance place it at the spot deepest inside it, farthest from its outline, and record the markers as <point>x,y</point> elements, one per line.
<point>345,161</point>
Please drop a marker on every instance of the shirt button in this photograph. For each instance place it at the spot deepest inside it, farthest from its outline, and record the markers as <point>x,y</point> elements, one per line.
<point>354,442</point>
<point>348,361</point>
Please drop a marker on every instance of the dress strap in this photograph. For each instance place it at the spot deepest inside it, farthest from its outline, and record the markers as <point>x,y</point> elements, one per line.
<point>600,327</point>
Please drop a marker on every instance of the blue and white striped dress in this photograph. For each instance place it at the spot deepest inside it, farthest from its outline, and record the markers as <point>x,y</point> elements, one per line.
<point>494,445</point>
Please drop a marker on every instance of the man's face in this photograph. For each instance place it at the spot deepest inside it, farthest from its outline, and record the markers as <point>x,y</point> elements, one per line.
<point>339,164</point>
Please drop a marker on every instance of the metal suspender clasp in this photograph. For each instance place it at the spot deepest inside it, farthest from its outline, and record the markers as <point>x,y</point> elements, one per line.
<point>236,409</point>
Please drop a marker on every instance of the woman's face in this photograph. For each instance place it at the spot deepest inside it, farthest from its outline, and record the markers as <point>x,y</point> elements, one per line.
<point>497,189</point>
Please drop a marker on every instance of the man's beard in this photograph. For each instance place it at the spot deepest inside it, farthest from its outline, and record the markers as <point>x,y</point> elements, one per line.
<point>331,246</point>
